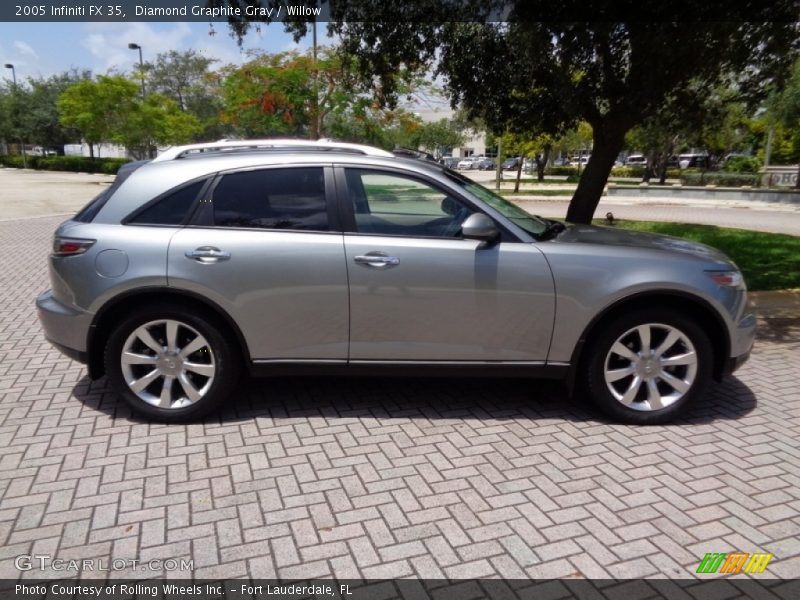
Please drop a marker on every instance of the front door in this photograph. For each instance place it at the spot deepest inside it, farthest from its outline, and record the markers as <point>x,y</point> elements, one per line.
<point>419,292</point>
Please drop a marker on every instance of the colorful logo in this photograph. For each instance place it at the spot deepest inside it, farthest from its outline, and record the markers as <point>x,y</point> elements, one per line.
<point>734,562</point>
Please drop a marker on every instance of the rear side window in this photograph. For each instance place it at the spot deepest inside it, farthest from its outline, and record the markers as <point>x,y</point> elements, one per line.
<point>172,208</point>
<point>272,199</point>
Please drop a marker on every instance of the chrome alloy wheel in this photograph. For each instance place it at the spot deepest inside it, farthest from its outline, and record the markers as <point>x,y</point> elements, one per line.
<point>167,364</point>
<point>650,366</point>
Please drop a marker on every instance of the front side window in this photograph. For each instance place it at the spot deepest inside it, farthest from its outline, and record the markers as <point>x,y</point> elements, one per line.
<point>272,199</point>
<point>391,204</point>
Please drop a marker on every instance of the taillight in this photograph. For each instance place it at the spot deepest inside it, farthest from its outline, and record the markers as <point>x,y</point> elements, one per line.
<point>63,246</point>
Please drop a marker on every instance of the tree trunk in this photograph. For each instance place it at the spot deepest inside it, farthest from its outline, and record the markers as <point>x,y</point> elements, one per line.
<point>797,183</point>
<point>519,174</point>
<point>542,164</point>
<point>91,150</point>
<point>608,142</point>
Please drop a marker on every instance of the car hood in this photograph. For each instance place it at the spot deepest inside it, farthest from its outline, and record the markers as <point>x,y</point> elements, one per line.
<point>611,236</point>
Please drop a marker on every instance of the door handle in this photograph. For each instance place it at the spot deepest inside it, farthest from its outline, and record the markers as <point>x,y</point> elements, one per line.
<point>380,261</point>
<point>207,255</point>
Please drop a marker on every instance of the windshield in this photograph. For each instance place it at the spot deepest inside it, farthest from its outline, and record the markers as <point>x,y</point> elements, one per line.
<point>522,219</point>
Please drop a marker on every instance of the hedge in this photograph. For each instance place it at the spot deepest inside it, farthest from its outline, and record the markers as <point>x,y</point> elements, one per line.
<point>83,164</point>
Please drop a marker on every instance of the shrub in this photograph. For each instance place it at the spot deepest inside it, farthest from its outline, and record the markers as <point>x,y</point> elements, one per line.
<point>742,164</point>
<point>721,178</point>
<point>561,171</point>
<point>83,164</point>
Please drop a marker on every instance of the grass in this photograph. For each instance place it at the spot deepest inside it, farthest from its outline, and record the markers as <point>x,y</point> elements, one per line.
<point>511,192</point>
<point>769,261</point>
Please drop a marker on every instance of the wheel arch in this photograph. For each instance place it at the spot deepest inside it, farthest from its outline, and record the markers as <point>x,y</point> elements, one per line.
<point>112,310</point>
<point>686,303</point>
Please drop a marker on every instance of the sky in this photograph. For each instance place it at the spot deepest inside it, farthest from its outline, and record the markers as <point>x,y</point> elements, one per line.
<point>41,49</point>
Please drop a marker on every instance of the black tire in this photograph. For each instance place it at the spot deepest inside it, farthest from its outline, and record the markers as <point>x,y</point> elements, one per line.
<point>599,352</point>
<point>220,352</point>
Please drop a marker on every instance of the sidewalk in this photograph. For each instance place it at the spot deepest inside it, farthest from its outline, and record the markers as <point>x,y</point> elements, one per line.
<point>782,304</point>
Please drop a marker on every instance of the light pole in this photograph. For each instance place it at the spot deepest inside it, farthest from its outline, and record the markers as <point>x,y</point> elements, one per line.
<point>13,73</point>
<point>14,78</point>
<point>133,46</point>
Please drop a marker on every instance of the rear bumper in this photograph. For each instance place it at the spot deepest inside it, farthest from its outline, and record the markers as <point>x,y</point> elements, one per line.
<point>64,327</point>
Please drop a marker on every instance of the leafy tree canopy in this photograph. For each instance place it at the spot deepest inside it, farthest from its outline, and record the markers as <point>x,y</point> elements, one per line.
<point>609,72</point>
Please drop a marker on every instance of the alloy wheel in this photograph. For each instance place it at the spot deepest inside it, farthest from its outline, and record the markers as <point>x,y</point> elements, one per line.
<point>167,363</point>
<point>650,366</point>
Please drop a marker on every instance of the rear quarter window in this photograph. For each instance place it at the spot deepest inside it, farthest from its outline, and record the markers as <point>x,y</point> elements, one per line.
<point>171,209</point>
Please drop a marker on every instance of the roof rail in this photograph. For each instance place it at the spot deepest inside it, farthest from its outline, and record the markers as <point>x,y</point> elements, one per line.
<point>177,152</point>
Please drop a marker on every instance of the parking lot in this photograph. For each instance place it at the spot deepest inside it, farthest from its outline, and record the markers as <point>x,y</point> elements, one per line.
<point>374,478</point>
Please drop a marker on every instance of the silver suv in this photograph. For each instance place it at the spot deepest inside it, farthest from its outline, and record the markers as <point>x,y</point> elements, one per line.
<point>284,256</point>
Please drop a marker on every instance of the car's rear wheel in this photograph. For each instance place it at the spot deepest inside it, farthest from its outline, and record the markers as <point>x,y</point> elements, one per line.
<point>170,365</point>
<point>648,366</point>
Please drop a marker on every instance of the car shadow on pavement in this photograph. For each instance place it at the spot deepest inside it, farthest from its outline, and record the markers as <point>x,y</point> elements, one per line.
<point>410,398</point>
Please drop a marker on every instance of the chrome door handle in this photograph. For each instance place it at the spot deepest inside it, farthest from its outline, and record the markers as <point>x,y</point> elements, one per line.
<point>208,255</point>
<point>377,260</point>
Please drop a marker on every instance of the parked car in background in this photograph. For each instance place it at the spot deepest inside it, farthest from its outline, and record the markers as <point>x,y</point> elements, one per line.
<point>511,163</point>
<point>295,256</point>
<point>485,164</point>
<point>451,162</point>
<point>465,164</point>
<point>694,161</point>
<point>636,160</point>
<point>579,161</point>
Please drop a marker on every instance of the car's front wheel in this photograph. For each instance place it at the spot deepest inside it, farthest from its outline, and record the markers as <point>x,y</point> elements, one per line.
<point>171,365</point>
<point>648,366</point>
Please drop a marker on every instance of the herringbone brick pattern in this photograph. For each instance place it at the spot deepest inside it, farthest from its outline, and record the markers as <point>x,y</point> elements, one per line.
<point>385,478</point>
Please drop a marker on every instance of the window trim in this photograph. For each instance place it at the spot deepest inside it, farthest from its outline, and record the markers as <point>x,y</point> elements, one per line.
<point>204,215</point>
<point>349,219</point>
<point>193,207</point>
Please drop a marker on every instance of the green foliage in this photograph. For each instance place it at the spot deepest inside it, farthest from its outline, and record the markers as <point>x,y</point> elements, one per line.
<point>82,164</point>
<point>111,109</point>
<point>742,164</point>
<point>720,178</point>
<point>561,171</point>
<point>440,136</point>
<point>768,261</point>
<point>186,78</point>
<point>629,171</point>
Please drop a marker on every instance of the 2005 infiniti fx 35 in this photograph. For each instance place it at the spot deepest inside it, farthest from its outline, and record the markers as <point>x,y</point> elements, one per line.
<point>280,256</point>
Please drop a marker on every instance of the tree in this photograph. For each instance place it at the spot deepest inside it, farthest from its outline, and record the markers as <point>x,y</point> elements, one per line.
<point>292,93</point>
<point>786,107</point>
<point>186,78</point>
<point>94,107</point>
<point>441,136</point>
<point>111,109</point>
<point>609,72</point>
<point>41,117</point>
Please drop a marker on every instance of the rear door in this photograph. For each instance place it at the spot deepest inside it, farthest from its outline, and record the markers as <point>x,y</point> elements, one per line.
<point>267,248</point>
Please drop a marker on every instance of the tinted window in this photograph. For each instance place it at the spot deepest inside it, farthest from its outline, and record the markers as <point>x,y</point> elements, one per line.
<point>390,204</point>
<point>272,199</point>
<point>172,208</point>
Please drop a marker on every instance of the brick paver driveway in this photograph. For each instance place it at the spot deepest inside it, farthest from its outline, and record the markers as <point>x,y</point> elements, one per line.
<point>386,478</point>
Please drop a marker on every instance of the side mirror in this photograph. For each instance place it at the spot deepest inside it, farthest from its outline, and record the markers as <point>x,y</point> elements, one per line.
<point>478,226</point>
